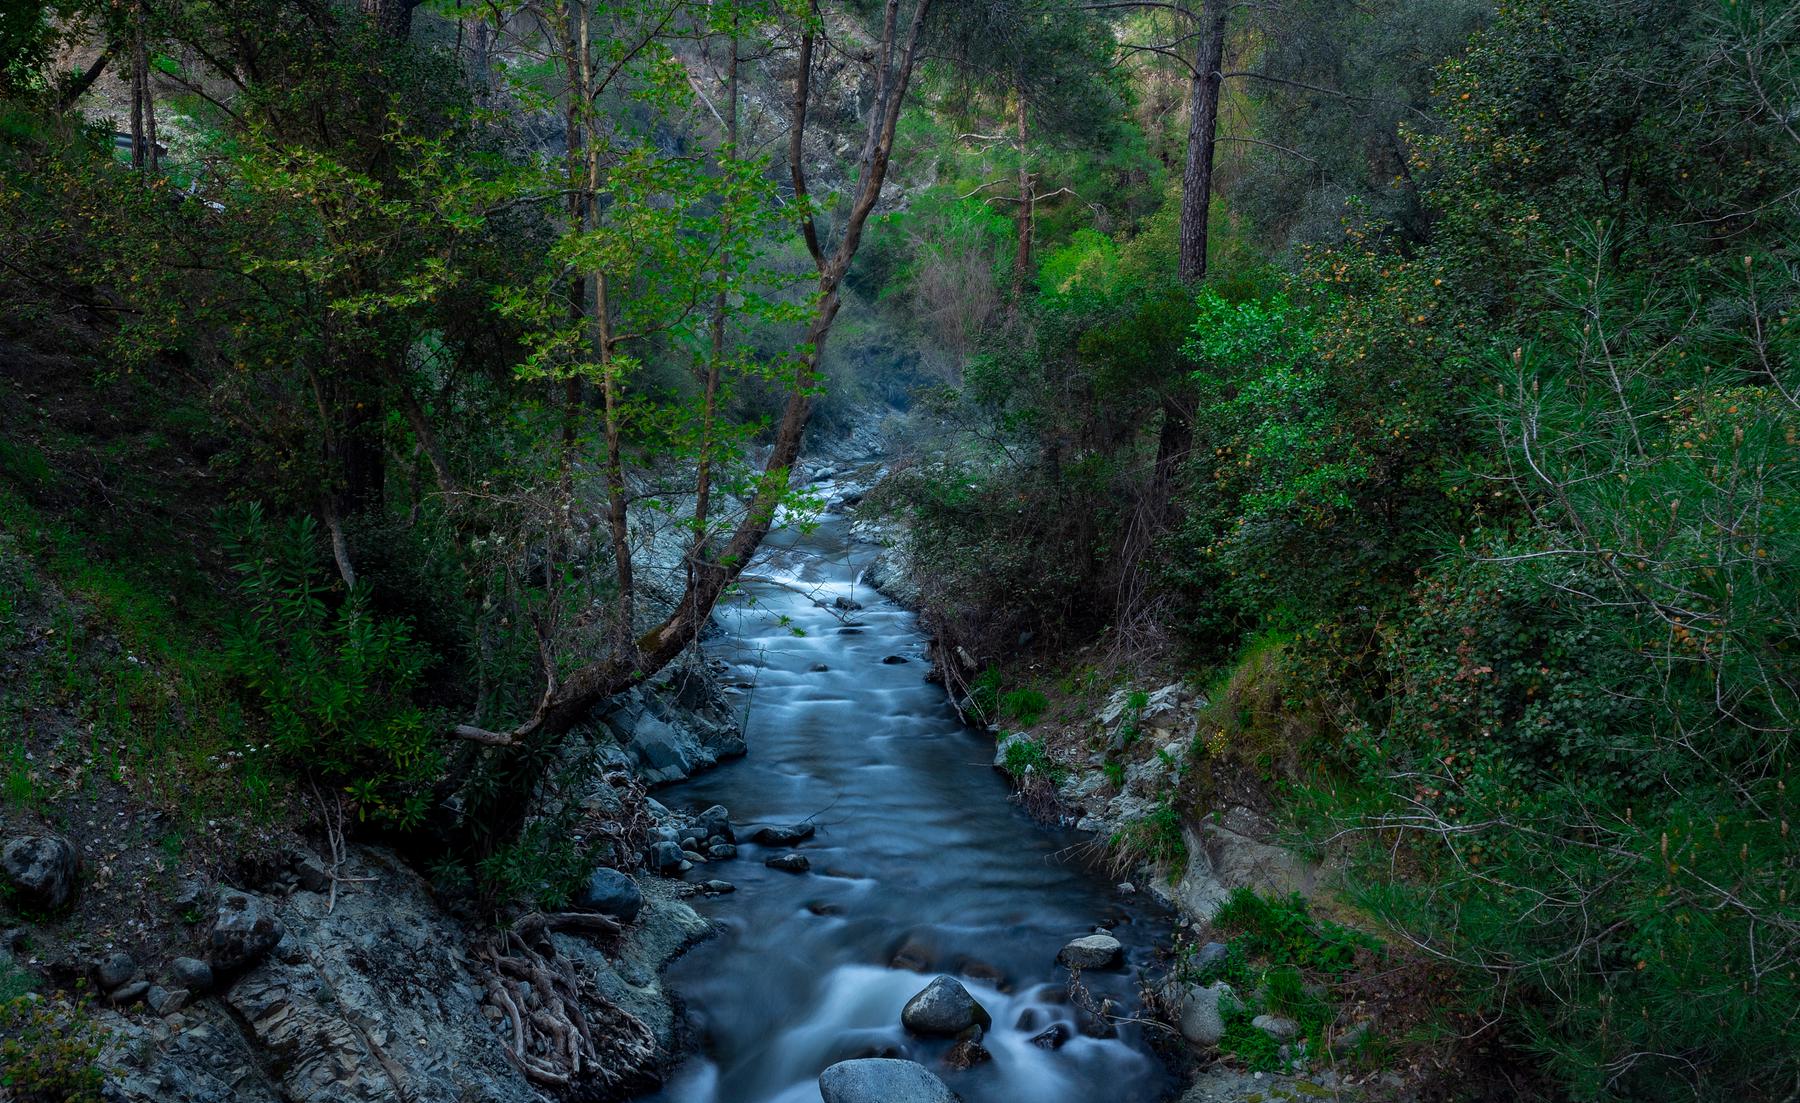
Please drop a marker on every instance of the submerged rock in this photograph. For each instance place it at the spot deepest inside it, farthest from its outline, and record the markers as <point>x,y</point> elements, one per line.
<point>789,863</point>
<point>1098,1023</point>
<point>882,1080</point>
<point>968,1050</point>
<point>944,1007</point>
<point>780,835</point>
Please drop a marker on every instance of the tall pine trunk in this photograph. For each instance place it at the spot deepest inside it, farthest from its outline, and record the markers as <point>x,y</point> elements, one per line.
<point>1027,209</point>
<point>1177,434</point>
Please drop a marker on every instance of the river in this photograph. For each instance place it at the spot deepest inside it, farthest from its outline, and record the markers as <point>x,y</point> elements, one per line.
<point>918,853</point>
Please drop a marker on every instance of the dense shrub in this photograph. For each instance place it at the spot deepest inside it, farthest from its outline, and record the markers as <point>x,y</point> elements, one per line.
<point>49,1052</point>
<point>332,680</point>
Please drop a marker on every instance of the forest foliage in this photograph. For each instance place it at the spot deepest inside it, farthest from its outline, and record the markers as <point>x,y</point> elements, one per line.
<point>460,390</point>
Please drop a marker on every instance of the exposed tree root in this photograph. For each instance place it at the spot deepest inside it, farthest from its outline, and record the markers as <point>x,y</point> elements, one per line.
<point>564,1032</point>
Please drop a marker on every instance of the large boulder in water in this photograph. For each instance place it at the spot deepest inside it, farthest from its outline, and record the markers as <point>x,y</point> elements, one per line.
<point>1094,951</point>
<point>882,1080</point>
<point>783,834</point>
<point>944,1007</point>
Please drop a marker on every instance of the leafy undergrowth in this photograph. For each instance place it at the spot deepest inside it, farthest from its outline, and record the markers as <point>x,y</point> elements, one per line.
<point>49,1052</point>
<point>119,728</point>
<point>1283,961</point>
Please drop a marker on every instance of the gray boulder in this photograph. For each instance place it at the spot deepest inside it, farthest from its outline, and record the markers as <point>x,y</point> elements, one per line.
<point>665,857</point>
<point>1276,1027</point>
<point>1201,1013</point>
<point>129,993</point>
<point>311,873</point>
<point>715,821</point>
<point>789,863</point>
<point>1094,951</point>
<point>610,892</point>
<point>243,933</point>
<point>663,752</point>
<point>891,575</point>
<point>943,1007</point>
<point>41,869</point>
<point>882,1080</point>
<point>191,973</point>
<point>114,970</point>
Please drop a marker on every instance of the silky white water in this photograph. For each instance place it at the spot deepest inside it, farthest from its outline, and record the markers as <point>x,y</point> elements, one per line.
<point>917,846</point>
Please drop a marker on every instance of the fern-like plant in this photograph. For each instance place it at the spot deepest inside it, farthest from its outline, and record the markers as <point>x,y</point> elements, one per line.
<point>334,681</point>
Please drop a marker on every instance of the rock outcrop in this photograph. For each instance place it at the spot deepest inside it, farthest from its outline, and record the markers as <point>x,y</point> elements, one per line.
<point>380,997</point>
<point>672,730</point>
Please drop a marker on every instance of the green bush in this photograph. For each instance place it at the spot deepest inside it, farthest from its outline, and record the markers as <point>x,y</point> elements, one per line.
<point>1283,933</point>
<point>1023,706</point>
<point>333,682</point>
<point>48,1053</point>
<point>1155,838</point>
<point>1281,962</point>
<point>1029,756</point>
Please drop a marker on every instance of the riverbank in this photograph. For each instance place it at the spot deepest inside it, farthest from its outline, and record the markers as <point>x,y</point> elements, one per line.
<point>1175,785</point>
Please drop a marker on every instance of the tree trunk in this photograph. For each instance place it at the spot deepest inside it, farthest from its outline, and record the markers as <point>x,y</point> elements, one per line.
<point>356,455</point>
<point>1176,436</point>
<point>73,90</point>
<point>1027,210</point>
<point>393,18</point>
<point>1203,130</point>
<point>715,363</point>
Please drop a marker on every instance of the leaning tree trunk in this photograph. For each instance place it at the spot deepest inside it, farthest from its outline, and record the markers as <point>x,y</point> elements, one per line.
<point>528,748</point>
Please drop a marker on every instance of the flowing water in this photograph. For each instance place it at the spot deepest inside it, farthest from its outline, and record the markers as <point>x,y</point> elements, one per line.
<point>917,848</point>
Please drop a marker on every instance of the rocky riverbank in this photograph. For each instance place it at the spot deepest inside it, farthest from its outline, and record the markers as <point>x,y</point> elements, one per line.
<point>1139,769</point>
<point>296,972</point>
<point>230,961</point>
